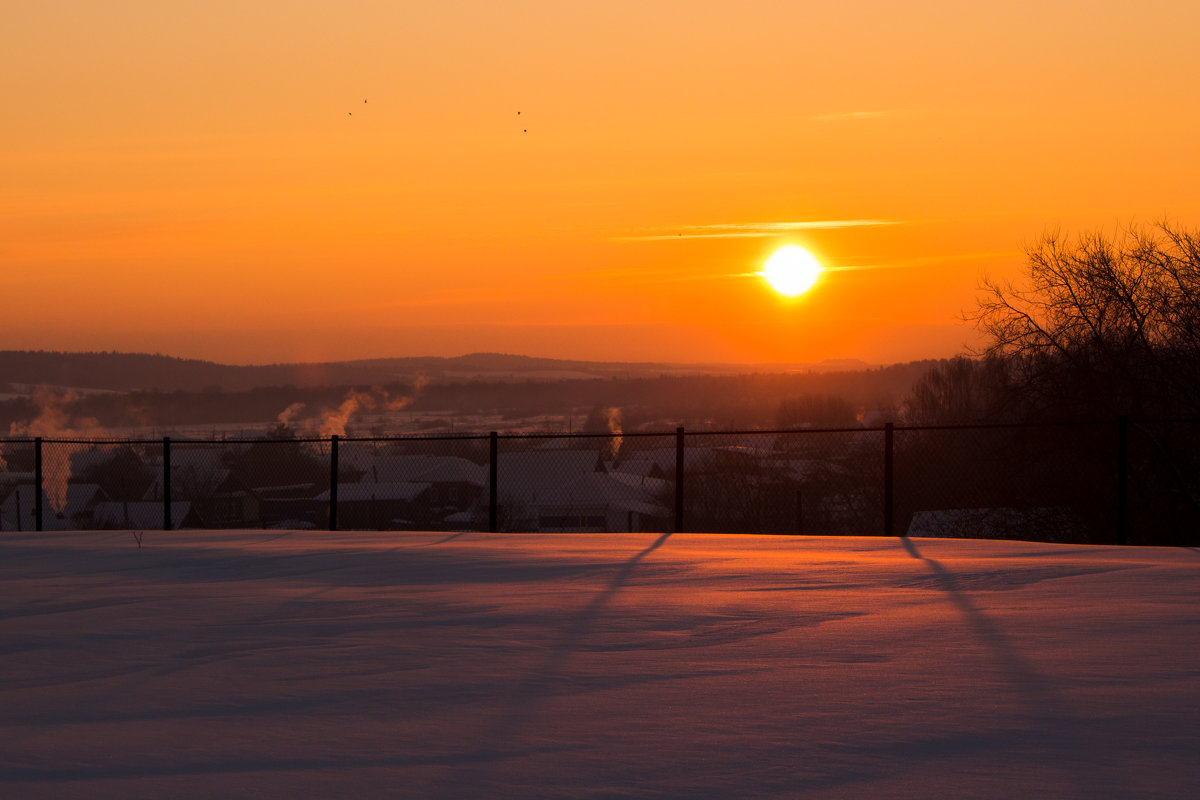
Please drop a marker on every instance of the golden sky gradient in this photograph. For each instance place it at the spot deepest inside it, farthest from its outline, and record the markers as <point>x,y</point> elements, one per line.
<point>205,179</point>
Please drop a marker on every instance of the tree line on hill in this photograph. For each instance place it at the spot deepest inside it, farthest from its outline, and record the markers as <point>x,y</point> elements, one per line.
<point>728,401</point>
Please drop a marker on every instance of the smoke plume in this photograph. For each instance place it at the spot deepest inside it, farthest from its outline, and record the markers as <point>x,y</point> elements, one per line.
<point>290,413</point>
<point>614,426</point>
<point>334,421</point>
<point>396,404</point>
<point>55,420</point>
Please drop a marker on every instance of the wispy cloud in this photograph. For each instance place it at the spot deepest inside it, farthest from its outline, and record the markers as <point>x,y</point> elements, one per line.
<point>640,276</point>
<point>749,230</point>
<point>839,116</point>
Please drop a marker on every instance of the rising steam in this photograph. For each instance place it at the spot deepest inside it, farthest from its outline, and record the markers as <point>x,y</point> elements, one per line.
<point>55,420</point>
<point>614,426</point>
<point>333,422</point>
<point>290,413</point>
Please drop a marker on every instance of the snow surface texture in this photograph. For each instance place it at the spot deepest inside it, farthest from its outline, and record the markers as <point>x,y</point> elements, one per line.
<point>250,664</point>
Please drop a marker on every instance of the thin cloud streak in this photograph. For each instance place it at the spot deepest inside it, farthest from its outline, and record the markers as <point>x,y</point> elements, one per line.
<point>752,230</point>
<point>632,276</point>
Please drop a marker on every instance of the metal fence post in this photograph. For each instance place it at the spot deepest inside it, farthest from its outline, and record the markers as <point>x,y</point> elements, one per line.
<point>37,483</point>
<point>1122,479</point>
<point>166,482</point>
<point>679,471</point>
<point>889,466</point>
<point>493,459</point>
<point>333,481</point>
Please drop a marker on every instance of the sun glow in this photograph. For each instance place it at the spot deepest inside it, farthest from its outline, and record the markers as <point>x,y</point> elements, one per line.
<point>791,270</point>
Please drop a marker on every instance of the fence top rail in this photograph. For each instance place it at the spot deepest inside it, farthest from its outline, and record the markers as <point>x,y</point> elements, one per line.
<point>99,440</point>
<point>968,426</point>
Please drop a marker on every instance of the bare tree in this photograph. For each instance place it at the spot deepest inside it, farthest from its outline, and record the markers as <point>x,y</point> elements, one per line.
<point>1108,325</point>
<point>959,390</point>
<point>1102,324</point>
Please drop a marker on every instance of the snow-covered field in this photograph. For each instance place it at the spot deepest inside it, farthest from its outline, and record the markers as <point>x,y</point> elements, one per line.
<point>227,664</point>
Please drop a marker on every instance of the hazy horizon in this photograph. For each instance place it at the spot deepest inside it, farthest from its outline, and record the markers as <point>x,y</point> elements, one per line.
<point>494,359</point>
<point>531,343</point>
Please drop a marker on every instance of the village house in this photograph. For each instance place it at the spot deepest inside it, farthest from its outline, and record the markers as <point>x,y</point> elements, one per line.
<point>572,490</point>
<point>218,496</point>
<point>454,483</point>
<point>376,506</point>
<point>18,512</point>
<point>144,515</point>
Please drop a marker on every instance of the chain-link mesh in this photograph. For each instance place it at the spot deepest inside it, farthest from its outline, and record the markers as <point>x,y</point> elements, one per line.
<point>431,484</point>
<point>812,482</point>
<point>1047,483</point>
<point>284,481</point>
<point>85,485</point>
<point>16,486</point>
<point>1164,483</point>
<point>1042,482</point>
<point>586,483</point>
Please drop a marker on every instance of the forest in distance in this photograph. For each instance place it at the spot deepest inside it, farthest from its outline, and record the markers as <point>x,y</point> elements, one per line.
<point>509,387</point>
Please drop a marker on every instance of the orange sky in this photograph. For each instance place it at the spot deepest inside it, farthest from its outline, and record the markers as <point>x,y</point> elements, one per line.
<point>204,179</point>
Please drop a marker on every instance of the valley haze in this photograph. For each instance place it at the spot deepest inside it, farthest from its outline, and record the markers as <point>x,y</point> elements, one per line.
<point>124,392</point>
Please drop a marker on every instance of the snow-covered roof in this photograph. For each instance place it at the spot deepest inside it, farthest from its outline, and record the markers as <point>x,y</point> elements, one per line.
<point>424,468</point>
<point>364,492</point>
<point>592,490</point>
<point>140,515</point>
<point>694,458</point>
<point>546,468</point>
<point>79,498</point>
<point>635,466</point>
<point>655,486</point>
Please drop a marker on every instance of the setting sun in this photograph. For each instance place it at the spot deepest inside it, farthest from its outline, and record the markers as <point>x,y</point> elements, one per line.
<point>279,181</point>
<point>791,270</point>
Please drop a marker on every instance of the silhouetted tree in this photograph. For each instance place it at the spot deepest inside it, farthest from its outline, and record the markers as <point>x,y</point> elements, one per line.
<point>819,410</point>
<point>125,476</point>
<point>1102,325</point>
<point>960,390</point>
<point>281,461</point>
<point>1106,325</point>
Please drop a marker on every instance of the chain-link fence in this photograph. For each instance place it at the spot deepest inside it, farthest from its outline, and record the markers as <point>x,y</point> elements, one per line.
<point>1105,482</point>
<point>1049,483</point>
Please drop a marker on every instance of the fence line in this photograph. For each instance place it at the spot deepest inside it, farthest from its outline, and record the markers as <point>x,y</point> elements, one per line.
<point>838,484</point>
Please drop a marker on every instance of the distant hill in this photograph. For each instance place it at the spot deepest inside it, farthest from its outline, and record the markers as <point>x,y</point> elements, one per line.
<point>127,372</point>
